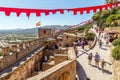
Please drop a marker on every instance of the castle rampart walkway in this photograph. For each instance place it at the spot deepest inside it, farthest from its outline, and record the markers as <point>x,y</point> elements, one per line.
<point>90,71</point>
<point>16,64</point>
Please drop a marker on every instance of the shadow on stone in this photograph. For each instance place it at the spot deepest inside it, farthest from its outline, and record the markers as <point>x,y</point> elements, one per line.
<point>80,72</point>
<point>88,79</point>
<point>104,48</point>
<point>93,65</point>
<point>107,71</point>
<point>82,52</point>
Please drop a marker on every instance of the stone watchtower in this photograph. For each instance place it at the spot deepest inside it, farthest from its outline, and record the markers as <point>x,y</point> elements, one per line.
<point>46,33</point>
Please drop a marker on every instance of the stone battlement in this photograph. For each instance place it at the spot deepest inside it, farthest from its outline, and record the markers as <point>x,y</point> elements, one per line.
<point>22,68</point>
<point>13,53</point>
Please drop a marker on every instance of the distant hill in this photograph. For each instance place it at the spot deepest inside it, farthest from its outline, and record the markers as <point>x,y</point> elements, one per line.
<point>31,31</point>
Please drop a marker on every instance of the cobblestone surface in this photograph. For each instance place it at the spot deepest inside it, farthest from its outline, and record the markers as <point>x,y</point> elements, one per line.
<point>90,71</point>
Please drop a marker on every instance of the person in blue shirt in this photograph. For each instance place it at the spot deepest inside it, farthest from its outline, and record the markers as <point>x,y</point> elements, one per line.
<point>97,59</point>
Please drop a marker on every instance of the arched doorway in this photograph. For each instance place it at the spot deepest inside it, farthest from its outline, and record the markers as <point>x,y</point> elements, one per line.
<point>64,76</point>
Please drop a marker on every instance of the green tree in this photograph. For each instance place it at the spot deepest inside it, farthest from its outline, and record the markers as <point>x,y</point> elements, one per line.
<point>116,42</point>
<point>90,36</point>
<point>105,14</point>
<point>116,53</point>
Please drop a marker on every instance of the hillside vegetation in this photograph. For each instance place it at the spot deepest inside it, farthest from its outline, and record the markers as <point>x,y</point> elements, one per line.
<point>108,18</point>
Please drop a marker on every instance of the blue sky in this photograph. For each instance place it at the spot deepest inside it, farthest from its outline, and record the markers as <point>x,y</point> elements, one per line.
<point>13,22</point>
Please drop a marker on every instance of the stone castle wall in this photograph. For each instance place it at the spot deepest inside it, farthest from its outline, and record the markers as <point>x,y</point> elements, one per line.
<point>25,69</point>
<point>16,52</point>
<point>65,67</point>
<point>68,39</point>
<point>46,33</point>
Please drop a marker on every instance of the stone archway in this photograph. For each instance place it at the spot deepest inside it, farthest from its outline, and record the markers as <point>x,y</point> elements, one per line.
<point>64,76</point>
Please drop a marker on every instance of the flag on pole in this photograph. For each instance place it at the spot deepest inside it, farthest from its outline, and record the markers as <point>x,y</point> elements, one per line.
<point>38,24</point>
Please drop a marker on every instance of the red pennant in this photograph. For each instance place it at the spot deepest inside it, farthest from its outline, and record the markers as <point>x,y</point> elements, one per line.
<point>28,13</point>
<point>80,10</point>
<point>110,6</point>
<point>7,13</point>
<point>116,5</point>
<point>61,11</point>
<point>94,9</point>
<point>18,13</point>
<point>75,11</point>
<point>87,10</point>
<point>46,13</point>
<point>54,11</point>
<point>106,7</point>
<point>38,13</point>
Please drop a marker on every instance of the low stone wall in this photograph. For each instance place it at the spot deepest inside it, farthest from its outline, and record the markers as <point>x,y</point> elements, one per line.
<point>55,72</point>
<point>116,70</point>
<point>68,39</point>
<point>56,51</point>
<point>24,68</point>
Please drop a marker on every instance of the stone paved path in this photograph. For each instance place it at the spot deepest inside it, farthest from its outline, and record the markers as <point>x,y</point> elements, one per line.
<point>84,70</point>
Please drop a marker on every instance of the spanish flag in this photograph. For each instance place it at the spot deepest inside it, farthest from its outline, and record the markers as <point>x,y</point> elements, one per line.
<point>38,23</point>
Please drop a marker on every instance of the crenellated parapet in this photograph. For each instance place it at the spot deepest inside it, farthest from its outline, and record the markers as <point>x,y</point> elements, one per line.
<point>13,53</point>
<point>27,44</point>
<point>14,48</point>
<point>20,46</point>
<point>5,51</point>
<point>22,69</point>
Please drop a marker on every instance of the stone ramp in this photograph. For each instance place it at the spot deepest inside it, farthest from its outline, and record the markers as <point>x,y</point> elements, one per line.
<point>91,71</point>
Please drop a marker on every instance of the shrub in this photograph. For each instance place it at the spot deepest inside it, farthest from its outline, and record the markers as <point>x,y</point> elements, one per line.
<point>116,53</point>
<point>81,29</point>
<point>90,36</point>
<point>116,42</point>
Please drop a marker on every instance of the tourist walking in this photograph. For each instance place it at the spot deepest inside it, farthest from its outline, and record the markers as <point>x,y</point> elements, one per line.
<point>107,43</point>
<point>103,64</point>
<point>97,59</point>
<point>90,58</point>
<point>100,43</point>
<point>83,44</point>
